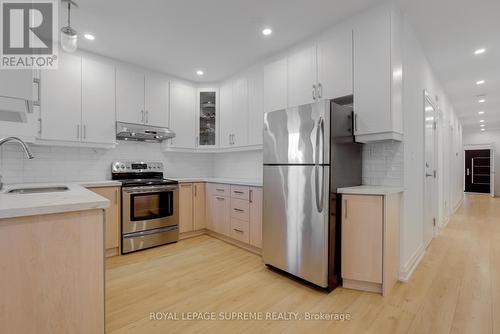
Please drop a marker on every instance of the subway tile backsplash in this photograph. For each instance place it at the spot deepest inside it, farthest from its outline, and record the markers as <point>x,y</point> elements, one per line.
<point>58,164</point>
<point>383,164</point>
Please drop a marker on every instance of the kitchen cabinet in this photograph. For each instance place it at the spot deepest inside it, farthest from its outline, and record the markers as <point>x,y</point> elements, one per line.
<point>98,101</point>
<point>141,98</point>
<point>275,85</point>
<point>199,206</point>
<point>378,76</point>
<point>255,199</point>
<point>112,218</point>
<point>370,242</point>
<point>182,115</point>
<point>185,207</point>
<point>255,105</point>
<point>207,116</point>
<point>301,76</point>
<point>219,215</point>
<point>61,100</point>
<point>234,111</point>
<point>18,84</point>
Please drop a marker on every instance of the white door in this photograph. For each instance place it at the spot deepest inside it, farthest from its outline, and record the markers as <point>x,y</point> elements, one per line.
<point>335,64</point>
<point>255,106</point>
<point>430,181</point>
<point>182,115</point>
<point>239,114</point>
<point>98,101</point>
<point>275,82</point>
<point>372,74</point>
<point>129,95</point>
<point>302,80</point>
<point>157,100</point>
<point>226,109</point>
<point>61,100</point>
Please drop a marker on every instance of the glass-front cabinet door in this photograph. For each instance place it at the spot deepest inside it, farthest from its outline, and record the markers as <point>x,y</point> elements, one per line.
<point>207,118</point>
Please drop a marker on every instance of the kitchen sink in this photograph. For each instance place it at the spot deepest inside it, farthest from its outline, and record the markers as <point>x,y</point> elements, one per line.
<point>38,190</point>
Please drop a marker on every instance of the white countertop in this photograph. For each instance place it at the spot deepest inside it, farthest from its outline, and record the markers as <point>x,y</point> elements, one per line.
<point>370,190</point>
<point>242,182</point>
<point>77,198</point>
<point>100,184</point>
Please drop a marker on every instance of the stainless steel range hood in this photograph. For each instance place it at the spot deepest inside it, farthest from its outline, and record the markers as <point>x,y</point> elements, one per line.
<point>141,132</point>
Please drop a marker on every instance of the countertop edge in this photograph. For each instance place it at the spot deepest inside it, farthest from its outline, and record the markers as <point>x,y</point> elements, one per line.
<point>242,182</point>
<point>371,190</point>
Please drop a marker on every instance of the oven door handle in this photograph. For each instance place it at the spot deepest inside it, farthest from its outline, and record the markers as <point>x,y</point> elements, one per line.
<point>150,232</point>
<point>148,189</point>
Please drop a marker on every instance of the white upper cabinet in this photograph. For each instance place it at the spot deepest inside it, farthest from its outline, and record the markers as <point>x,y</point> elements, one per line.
<point>302,79</point>
<point>226,107</point>
<point>17,84</point>
<point>377,77</point>
<point>129,95</point>
<point>156,99</point>
<point>98,101</point>
<point>255,105</point>
<point>182,115</point>
<point>61,100</point>
<point>207,116</point>
<point>275,85</point>
<point>334,55</point>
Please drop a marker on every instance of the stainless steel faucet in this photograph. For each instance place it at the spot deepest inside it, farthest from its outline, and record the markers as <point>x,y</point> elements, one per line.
<point>23,145</point>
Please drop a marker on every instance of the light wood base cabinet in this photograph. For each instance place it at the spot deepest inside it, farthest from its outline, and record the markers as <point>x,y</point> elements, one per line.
<point>112,218</point>
<point>192,207</point>
<point>52,273</point>
<point>370,242</point>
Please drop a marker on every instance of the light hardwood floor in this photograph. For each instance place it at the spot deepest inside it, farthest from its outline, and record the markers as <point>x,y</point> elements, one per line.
<point>455,289</point>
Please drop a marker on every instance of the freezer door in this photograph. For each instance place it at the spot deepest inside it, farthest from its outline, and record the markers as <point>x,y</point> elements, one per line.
<point>295,221</point>
<point>298,135</point>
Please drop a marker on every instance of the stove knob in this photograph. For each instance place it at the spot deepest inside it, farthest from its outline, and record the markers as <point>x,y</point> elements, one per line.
<point>122,166</point>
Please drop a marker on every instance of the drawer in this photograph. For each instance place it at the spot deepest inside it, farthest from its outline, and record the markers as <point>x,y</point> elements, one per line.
<point>240,230</point>
<point>219,189</point>
<point>240,192</point>
<point>240,209</point>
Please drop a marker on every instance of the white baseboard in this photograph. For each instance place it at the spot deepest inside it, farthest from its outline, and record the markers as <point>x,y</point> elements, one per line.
<point>408,269</point>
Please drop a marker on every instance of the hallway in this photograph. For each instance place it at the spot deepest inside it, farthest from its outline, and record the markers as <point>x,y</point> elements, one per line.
<point>455,289</point>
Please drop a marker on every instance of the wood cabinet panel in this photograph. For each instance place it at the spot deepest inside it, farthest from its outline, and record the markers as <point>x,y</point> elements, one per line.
<point>219,189</point>
<point>255,195</point>
<point>199,206</point>
<point>240,230</point>
<point>240,209</point>
<point>362,230</point>
<point>113,218</point>
<point>185,207</point>
<point>240,192</point>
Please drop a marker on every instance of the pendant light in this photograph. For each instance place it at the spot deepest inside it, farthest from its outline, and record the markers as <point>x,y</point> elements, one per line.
<point>69,36</point>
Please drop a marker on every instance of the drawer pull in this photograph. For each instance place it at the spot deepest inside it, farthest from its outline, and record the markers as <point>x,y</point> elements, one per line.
<point>238,210</point>
<point>220,198</point>
<point>238,230</point>
<point>186,185</point>
<point>238,192</point>
<point>219,189</point>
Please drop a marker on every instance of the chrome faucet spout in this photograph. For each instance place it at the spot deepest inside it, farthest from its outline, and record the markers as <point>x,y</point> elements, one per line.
<point>23,145</point>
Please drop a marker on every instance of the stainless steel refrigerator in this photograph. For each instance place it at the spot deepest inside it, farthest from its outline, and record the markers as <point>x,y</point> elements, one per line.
<point>309,152</point>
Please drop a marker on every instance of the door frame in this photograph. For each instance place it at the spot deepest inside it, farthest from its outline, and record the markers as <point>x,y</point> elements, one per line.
<point>427,98</point>
<point>490,147</point>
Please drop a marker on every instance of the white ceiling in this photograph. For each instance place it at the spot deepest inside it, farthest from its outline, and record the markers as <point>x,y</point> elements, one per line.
<point>450,31</point>
<point>218,36</point>
<point>224,36</point>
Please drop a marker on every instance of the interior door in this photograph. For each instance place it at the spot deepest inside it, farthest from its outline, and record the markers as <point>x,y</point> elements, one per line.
<point>477,171</point>
<point>430,183</point>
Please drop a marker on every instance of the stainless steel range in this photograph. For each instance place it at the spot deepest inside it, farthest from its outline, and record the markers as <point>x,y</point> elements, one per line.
<point>150,205</point>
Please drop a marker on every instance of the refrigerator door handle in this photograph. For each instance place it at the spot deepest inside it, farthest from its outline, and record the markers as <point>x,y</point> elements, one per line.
<point>320,132</point>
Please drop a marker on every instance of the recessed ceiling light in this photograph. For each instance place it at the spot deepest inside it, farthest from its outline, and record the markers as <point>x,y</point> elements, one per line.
<point>267,31</point>
<point>480,51</point>
<point>481,121</point>
<point>482,129</point>
<point>90,37</point>
<point>480,112</point>
<point>200,72</point>
<point>481,100</point>
<point>480,82</point>
<point>482,125</point>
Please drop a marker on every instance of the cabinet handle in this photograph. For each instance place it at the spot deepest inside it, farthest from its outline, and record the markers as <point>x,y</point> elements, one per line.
<point>250,195</point>
<point>78,131</point>
<point>345,210</point>
<point>238,192</point>
<point>85,132</point>
<point>220,198</point>
<point>238,230</point>
<point>39,92</point>
<point>147,116</point>
<point>219,189</point>
<point>142,116</point>
<point>355,123</point>
<point>196,141</point>
<point>116,196</point>
<point>320,91</point>
<point>314,92</point>
<point>238,210</point>
<point>195,190</point>
<point>234,139</point>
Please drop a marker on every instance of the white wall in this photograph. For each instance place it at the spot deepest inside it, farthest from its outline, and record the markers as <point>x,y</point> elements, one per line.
<point>54,164</point>
<point>487,137</point>
<point>418,76</point>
